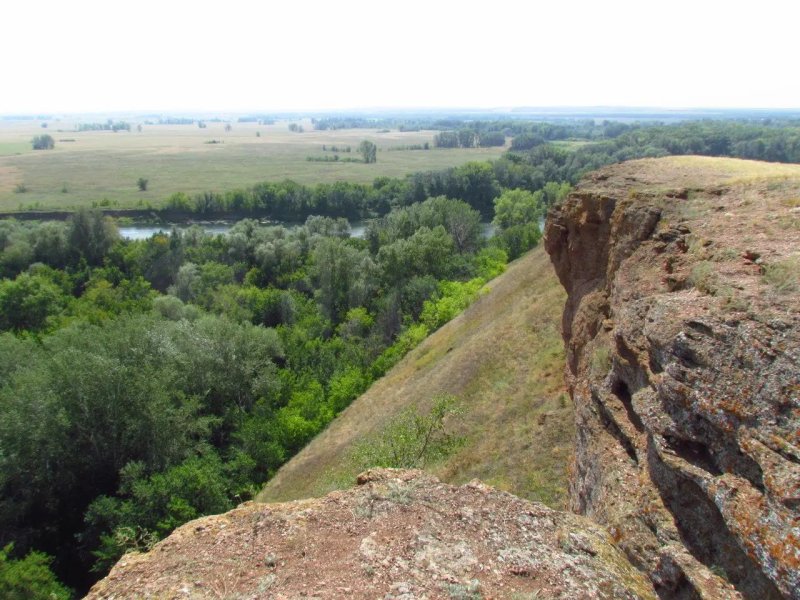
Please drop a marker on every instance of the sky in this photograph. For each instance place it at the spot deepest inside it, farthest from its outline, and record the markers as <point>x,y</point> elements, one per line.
<point>297,55</point>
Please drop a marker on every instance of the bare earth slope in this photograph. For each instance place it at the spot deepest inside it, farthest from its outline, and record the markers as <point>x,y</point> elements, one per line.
<point>400,535</point>
<point>683,360</point>
<point>503,359</point>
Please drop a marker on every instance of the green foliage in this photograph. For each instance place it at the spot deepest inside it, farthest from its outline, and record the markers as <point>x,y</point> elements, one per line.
<point>90,236</point>
<point>454,297</point>
<point>29,578</point>
<point>345,387</point>
<point>491,262</point>
<point>152,506</point>
<point>518,239</point>
<point>344,276</point>
<point>141,183</point>
<point>28,303</point>
<point>426,252</point>
<point>404,343</point>
<point>515,207</point>
<point>412,439</point>
<point>368,151</point>
<point>130,412</point>
<point>43,142</point>
<point>517,216</point>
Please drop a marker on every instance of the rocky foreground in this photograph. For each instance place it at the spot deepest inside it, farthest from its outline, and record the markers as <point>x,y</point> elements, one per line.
<point>398,534</point>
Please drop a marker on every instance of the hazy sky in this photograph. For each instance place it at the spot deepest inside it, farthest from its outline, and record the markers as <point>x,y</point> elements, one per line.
<point>87,55</point>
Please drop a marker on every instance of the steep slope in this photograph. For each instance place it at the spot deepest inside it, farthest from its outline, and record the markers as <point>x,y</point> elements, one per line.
<point>683,353</point>
<point>503,360</point>
<point>399,534</point>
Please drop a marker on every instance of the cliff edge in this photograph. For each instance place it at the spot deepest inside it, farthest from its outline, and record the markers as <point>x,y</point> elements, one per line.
<point>682,334</point>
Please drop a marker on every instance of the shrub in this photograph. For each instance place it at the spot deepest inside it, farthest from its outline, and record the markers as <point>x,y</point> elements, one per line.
<point>411,440</point>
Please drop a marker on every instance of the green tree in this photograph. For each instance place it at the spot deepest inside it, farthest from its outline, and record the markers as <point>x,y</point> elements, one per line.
<point>517,216</point>
<point>90,235</point>
<point>368,151</point>
<point>27,302</point>
<point>29,578</point>
<point>43,142</point>
<point>141,183</point>
<point>344,276</point>
<point>517,207</point>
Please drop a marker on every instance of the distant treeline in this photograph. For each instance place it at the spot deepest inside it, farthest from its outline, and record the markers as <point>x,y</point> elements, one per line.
<point>467,138</point>
<point>107,126</point>
<point>260,119</point>
<point>176,121</point>
<point>474,183</point>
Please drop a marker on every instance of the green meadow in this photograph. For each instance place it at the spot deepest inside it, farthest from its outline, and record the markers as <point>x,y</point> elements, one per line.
<point>102,167</point>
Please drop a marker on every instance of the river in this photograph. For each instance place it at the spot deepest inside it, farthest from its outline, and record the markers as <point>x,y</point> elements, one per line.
<point>143,232</point>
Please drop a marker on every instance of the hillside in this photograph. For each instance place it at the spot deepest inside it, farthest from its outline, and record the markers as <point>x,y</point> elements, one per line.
<point>503,360</point>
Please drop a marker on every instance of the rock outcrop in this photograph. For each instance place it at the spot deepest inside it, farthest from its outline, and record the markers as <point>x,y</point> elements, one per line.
<point>683,360</point>
<point>399,534</point>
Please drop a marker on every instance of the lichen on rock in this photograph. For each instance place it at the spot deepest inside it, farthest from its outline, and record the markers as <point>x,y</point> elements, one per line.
<point>683,362</point>
<point>398,534</point>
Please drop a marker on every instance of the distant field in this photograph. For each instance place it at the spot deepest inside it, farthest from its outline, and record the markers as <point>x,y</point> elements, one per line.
<point>103,166</point>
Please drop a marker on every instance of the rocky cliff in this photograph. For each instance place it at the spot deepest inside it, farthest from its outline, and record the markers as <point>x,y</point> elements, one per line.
<point>683,360</point>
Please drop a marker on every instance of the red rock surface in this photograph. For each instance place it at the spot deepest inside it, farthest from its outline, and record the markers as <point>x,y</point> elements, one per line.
<point>399,534</point>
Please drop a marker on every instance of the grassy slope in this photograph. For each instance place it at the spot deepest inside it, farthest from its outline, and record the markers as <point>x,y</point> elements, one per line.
<point>503,358</point>
<point>176,158</point>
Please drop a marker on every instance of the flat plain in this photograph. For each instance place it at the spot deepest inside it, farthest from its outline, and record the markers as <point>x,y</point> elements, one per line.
<point>89,168</point>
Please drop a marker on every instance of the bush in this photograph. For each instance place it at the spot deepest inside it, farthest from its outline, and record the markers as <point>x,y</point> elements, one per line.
<point>411,440</point>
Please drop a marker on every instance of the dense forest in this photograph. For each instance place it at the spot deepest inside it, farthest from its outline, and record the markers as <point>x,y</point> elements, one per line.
<point>145,383</point>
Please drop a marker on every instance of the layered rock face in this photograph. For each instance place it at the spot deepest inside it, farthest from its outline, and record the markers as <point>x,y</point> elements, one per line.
<point>399,534</point>
<point>683,360</point>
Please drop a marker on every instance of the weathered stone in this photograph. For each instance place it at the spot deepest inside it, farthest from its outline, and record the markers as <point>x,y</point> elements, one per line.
<point>400,534</point>
<point>688,409</point>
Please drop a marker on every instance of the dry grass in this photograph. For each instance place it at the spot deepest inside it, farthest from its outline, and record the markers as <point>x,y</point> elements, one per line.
<point>100,165</point>
<point>503,359</point>
<point>729,170</point>
<point>784,275</point>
